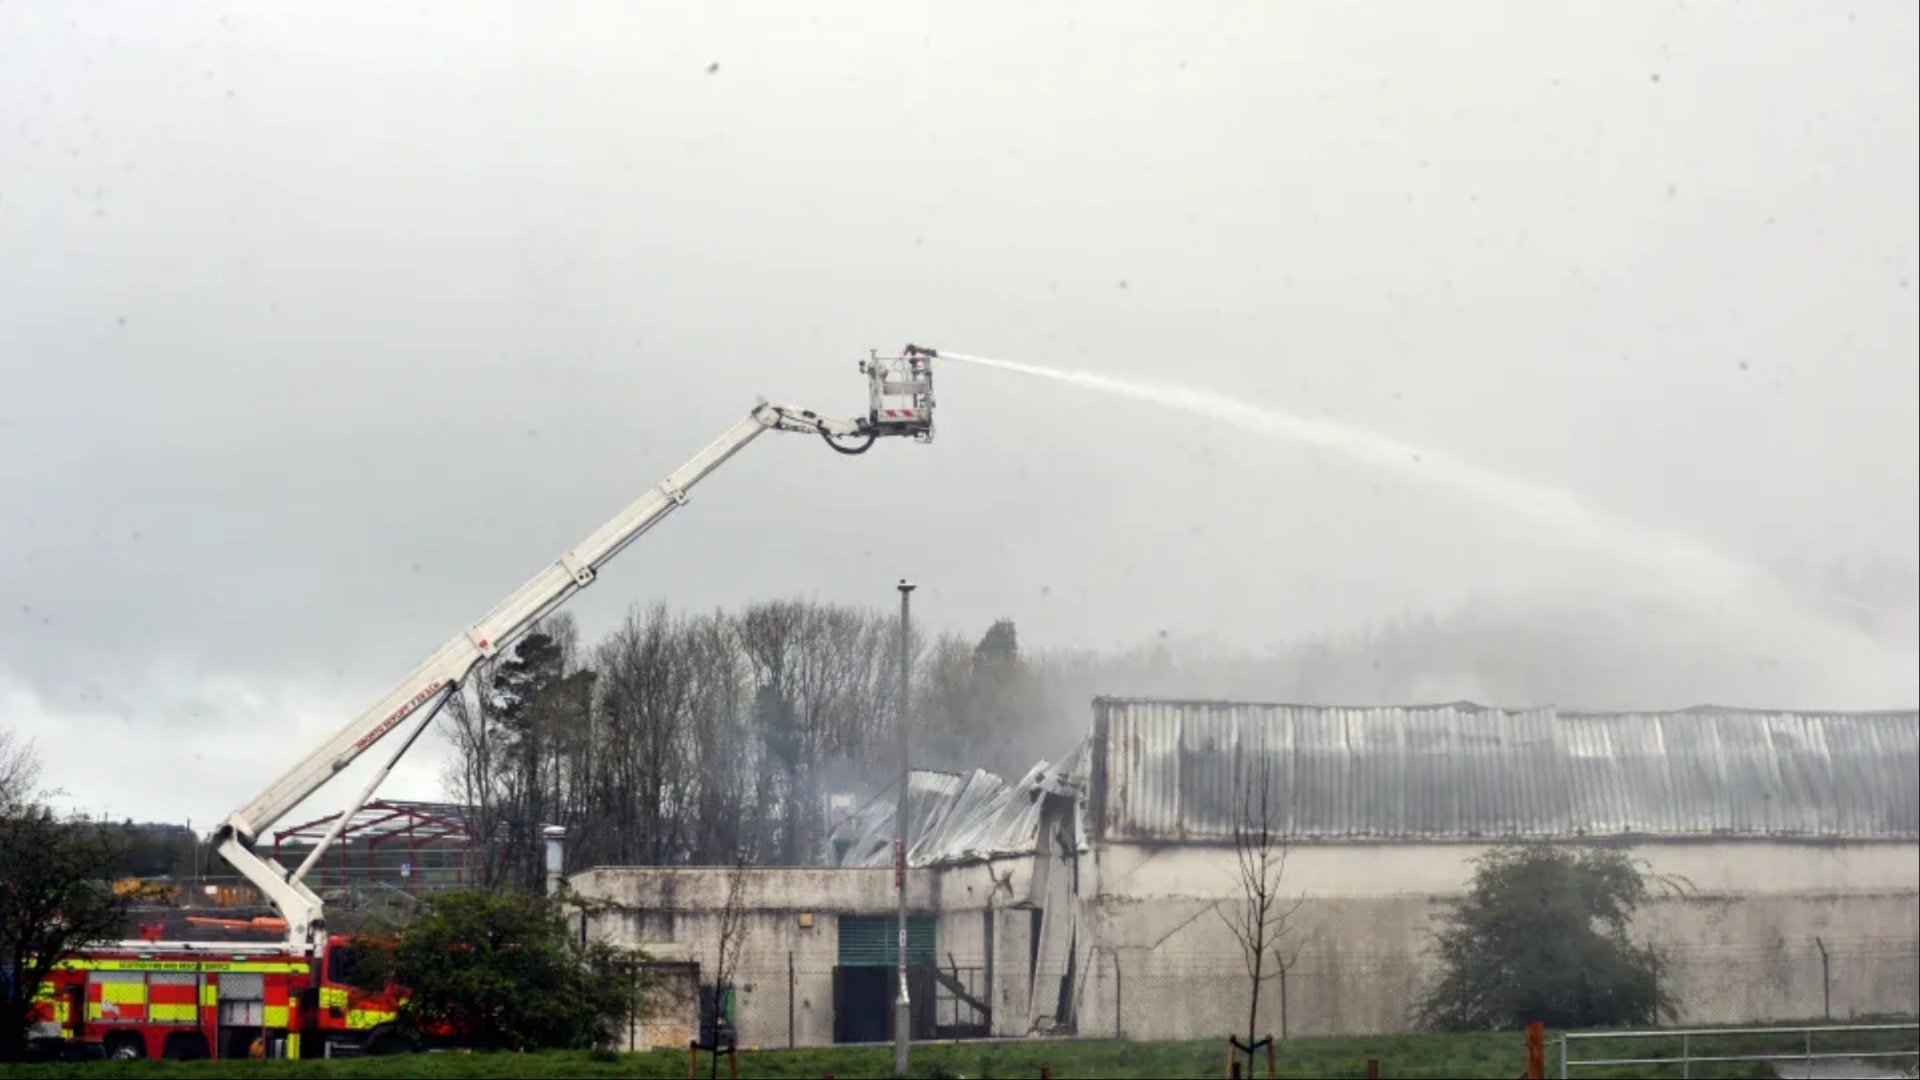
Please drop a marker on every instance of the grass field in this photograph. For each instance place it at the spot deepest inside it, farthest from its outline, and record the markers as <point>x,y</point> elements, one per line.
<point>1434,1056</point>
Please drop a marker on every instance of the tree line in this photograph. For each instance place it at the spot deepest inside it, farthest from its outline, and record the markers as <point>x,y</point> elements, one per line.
<point>709,738</point>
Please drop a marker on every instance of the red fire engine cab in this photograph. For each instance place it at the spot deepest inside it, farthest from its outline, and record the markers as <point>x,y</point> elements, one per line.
<point>189,1000</point>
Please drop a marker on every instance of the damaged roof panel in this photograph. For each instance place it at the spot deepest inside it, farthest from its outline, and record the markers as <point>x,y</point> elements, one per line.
<point>1167,770</point>
<point>954,818</point>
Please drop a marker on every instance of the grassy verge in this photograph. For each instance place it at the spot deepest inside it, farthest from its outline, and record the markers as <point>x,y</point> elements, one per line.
<point>1413,1056</point>
<point>1408,1056</point>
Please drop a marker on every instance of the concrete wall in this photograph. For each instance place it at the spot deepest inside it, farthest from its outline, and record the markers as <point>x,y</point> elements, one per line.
<point>1745,941</point>
<point>784,976</point>
<point>1154,959</point>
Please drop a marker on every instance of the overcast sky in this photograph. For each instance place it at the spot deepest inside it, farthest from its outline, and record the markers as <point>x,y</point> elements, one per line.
<point>323,326</point>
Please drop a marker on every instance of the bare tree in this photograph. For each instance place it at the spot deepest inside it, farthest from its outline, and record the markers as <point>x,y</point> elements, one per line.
<point>19,771</point>
<point>642,774</point>
<point>949,703</point>
<point>1262,921</point>
<point>475,774</point>
<point>732,938</point>
<point>725,818</point>
<point>817,669</point>
<point>769,635</point>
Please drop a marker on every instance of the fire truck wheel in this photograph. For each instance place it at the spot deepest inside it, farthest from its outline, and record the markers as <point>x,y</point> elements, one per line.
<point>390,1039</point>
<point>124,1047</point>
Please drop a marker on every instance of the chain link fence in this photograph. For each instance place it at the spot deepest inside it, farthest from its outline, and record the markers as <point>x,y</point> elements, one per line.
<point>1814,980</point>
<point>1144,995</point>
<point>1161,994</point>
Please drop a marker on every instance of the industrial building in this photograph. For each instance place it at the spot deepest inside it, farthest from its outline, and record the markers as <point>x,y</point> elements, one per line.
<point>1087,895</point>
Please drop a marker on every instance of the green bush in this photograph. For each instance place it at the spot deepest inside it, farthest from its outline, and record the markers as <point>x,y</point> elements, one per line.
<point>503,970</point>
<point>1542,935</point>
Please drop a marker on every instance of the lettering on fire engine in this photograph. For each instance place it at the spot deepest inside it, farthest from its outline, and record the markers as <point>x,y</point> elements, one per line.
<point>188,965</point>
<point>401,713</point>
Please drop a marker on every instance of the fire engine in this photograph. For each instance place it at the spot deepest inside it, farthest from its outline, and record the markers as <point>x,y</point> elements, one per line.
<point>293,997</point>
<point>190,1000</point>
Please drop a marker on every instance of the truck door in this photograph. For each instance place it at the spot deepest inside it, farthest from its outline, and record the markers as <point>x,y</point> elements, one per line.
<point>76,997</point>
<point>242,1012</point>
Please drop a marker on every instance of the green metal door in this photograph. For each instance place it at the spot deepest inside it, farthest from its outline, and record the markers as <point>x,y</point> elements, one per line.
<point>873,940</point>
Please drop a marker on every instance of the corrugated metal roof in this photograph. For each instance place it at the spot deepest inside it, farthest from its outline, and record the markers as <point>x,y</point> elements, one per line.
<point>865,837</point>
<point>1165,770</point>
<point>952,818</point>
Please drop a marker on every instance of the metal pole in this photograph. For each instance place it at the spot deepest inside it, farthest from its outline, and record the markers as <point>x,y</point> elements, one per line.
<point>902,1010</point>
<point>1826,982</point>
<point>556,837</point>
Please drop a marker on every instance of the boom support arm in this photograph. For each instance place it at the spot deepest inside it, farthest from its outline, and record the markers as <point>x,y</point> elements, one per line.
<point>442,674</point>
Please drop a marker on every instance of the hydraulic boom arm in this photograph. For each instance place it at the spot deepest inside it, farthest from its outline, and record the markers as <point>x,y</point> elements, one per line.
<point>901,404</point>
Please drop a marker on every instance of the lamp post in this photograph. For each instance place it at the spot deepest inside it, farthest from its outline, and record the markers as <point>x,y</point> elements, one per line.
<point>902,1008</point>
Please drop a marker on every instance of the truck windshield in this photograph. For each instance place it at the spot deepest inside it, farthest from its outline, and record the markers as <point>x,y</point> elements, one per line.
<point>344,963</point>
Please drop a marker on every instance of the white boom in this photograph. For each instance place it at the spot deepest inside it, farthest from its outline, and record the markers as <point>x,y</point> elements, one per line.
<point>901,404</point>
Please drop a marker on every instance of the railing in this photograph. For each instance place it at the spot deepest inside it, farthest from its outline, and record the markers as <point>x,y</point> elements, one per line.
<point>1763,1044</point>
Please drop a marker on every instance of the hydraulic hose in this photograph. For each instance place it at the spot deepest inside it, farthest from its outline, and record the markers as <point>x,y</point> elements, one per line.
<point>872,437</point>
